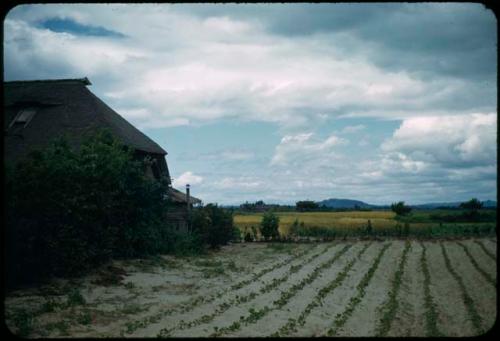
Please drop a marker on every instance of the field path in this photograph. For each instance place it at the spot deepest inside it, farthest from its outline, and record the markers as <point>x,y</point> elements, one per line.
<point>410,316</point>
<point>209,308</point>
<point>453,319</point>
<point>321,318</point>
<point>480,290</point>
<point>366,316</point>
<point>279,317</point>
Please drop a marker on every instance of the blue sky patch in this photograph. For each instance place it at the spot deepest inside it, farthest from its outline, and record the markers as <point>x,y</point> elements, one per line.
<point>70,26</point>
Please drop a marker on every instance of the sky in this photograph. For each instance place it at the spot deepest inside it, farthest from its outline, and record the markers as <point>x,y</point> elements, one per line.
<point>284,102</point>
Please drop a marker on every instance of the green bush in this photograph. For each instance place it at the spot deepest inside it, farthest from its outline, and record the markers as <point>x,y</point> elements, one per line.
<point>269,225</point>
<point>213,224</point>
<point>68,211</point>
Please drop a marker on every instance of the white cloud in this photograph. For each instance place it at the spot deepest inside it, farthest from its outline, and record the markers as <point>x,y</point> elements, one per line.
<point>187,178</point>
<point>294,149</point>
<point>184,69</point>
<point>447,140</point>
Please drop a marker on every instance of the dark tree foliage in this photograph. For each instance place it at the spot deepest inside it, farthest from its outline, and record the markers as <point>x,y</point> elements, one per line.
<point>214,224</point>
<point>400,208</point>
<point>68,211</point>
<point>269,225</point>
<point>472,205</point>
<point>306,205</point>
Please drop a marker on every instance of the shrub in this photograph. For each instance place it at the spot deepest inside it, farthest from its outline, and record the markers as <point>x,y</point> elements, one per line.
<point>400,208</point>
<point>70,210</point>
<point>214,225</point>
<point>269,225</point>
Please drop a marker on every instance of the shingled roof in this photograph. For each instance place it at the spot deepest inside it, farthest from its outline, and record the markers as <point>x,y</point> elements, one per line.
<point>64,106</point>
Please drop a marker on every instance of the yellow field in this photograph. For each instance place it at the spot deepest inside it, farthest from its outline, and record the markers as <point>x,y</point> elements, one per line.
<point>351,219</point>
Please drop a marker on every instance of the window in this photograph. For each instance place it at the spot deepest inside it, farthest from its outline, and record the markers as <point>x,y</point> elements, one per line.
<point>23,117</point>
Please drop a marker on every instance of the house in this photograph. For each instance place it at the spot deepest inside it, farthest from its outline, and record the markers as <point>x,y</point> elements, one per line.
<point>36,112</point>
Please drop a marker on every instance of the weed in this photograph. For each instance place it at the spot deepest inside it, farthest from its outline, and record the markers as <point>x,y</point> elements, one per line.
<point>129,285</point>
<point>23,321</point>
<point>75,298</point>
<point>84,318</point>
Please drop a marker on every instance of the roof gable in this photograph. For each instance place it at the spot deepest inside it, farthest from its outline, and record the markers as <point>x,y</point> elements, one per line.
<point>67,107</point>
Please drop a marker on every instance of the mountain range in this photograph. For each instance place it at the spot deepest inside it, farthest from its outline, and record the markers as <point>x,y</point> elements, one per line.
<point>349,203</point>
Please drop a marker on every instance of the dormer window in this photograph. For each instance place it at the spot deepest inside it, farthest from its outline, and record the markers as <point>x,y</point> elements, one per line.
<point>23,117</point>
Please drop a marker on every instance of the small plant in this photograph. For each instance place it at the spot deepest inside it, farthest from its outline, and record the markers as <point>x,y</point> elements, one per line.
<point>23,321</point>
<point>74,298</point>
<point>129,285</point>
<point>269,226</point>
<point>84,318</point>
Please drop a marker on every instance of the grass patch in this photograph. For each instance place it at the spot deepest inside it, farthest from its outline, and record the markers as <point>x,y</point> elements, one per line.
<point>74,298</point>
<point>23,321</point>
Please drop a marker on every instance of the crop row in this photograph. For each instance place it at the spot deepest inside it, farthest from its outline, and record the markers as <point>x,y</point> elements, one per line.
<point>430,306</point>
<point>290,326</point>
<point>284,297</point>
<point>221,308</point>
<point>485,250</point>
<point>486,275</point>
<point>390,307</point>
<point>341,318</point>
<point>202,299</point>
<point>469,304</point>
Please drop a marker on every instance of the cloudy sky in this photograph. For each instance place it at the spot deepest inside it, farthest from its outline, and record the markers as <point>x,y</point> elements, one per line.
<point>375,102</point>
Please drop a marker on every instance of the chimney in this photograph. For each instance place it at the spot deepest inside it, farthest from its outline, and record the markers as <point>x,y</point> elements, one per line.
<point>188,195</point>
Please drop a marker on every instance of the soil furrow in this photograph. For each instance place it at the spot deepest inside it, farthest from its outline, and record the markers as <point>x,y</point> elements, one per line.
<point>410,316</point>
<point>487,249</point>
<point>477,289</point>
<point>452,315</point>
<point>298,322</point>
<point>489,265</point>
<point>390,307</point>
<point>341,319</point>
<point>320,319</point>
<point>476,265</point>
<point>254,310</point>
<point>206,305</point>
<point>235,307</point>
<point>367,314</point>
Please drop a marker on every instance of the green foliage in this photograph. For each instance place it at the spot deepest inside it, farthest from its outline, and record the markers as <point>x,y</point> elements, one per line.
<point>306,205</point>
<point>23,321</point>
<point>214,225</point>
<point>70,210</point>
<point>74,298</point>
<point>472,205</point>
<point>269,225</point>
<point>400,208</point>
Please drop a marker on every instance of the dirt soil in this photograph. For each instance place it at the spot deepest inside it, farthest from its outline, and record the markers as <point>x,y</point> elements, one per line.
<point>258,289</point>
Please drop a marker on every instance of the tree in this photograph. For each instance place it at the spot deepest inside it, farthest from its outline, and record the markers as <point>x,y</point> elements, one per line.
<point>472,205</point>
<point>269,225</point>
<point>400,208</point>
<point>306,205</point>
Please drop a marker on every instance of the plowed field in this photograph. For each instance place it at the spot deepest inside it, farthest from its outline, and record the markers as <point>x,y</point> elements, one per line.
<point>350,288</point>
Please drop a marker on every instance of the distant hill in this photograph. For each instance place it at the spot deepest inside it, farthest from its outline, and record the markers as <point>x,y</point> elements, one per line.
<point>348,203</point>
<point>343,203</point>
